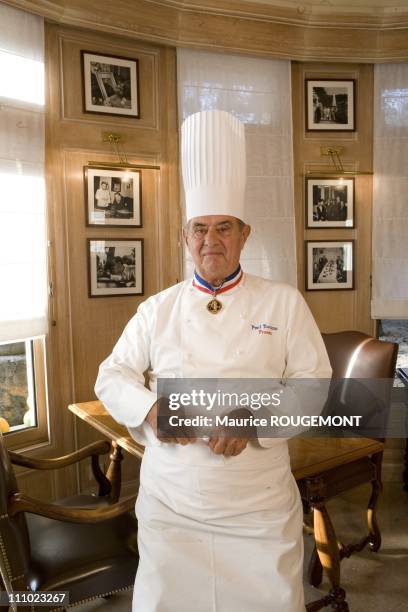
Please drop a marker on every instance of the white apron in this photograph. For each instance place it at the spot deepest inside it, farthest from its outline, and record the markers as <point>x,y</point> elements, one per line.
<point>216,534</point>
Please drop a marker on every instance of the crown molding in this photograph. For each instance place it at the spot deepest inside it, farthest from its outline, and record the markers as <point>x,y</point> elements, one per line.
<point>302,16</point>
<point>236,26</point>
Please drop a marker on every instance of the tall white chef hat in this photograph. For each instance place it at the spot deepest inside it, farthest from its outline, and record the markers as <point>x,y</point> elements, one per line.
<point>213,164</point>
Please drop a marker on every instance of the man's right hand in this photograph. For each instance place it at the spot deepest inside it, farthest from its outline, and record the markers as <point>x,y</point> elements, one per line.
<point>181,435</point>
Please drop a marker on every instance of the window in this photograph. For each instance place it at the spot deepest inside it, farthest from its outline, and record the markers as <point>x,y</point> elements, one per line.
<point>30,86</point>
<point>23,413</point>
<point>396,330</point>
<point>23,304</point>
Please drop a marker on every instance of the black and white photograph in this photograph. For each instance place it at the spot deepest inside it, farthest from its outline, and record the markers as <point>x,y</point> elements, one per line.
<point>329,202</point>
<point>115,267</point>
<point>111,85</point>
<point>113,196</point>
<point>329,265</point>
<point>330,105</point>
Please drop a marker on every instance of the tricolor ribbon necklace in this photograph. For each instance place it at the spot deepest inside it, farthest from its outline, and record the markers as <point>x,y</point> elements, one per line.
<point>214,305</point>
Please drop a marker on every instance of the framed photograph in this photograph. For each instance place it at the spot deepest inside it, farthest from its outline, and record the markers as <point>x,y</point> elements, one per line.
<point>330,105</point>
<point>115,267</point>
<point>329,202</point>
<point>110,84</point>
<point>329,265</point>
<point>113,196</point>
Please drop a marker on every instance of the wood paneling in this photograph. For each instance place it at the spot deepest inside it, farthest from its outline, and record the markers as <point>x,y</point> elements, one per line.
<point>337,310</point>
<point>319,33</point>
<point>86,329</point>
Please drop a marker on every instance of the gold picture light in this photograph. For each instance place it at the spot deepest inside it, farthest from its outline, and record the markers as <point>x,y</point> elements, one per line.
<point>116,142</point>
<point>335,153</point>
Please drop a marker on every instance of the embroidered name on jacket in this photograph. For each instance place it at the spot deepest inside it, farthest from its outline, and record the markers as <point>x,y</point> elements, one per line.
<point>264,328</point>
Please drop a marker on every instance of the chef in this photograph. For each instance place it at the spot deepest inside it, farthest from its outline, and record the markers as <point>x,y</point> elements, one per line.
<point>220,519</point>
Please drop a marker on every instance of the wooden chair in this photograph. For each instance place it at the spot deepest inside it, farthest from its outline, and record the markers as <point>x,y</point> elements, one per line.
<point>86,545</point>
<point>340,465</point>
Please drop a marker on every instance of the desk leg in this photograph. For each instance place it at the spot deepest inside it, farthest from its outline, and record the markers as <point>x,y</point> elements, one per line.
<point>374,536</point>
<point>405,476</point>
<point>328,551</point>
<point>114,473</point>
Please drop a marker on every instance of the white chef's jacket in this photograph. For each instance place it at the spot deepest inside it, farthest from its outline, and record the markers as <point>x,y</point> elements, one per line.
<point>216,534</point>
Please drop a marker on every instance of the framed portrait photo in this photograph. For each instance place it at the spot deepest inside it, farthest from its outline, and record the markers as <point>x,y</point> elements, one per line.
<point>113,196</point>
<point>329,202</point>
<point>330,105</point>
<point>329,265</point>
<point>110,84</point>
<point>115,267</point>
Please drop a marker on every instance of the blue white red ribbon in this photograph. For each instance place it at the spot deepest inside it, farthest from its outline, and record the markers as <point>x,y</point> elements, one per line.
<point>228,283</point>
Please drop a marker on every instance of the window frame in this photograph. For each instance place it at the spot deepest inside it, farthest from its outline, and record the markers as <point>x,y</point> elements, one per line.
<point>37,434</point>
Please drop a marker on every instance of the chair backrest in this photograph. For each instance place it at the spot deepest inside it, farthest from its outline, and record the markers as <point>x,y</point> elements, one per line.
<point>14,540</point>
<point>353,354</point>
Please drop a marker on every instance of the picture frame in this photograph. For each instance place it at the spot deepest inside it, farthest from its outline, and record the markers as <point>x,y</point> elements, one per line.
<point>113,196</point>
<point>110,84</point>
<point>115,267</point>
<point>329,203</point>
<point>329,265</point>
<point>330,105</point>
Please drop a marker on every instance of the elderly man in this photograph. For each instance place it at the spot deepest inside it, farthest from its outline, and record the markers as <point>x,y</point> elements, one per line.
<point>220,519</point>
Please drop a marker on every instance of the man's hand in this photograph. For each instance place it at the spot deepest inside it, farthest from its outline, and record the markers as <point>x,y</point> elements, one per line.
<point>160,408</point>
<point>222,444</point>
<point>231,441</point>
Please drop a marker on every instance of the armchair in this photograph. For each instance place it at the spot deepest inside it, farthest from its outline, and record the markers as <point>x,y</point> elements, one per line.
<point>86,544</point>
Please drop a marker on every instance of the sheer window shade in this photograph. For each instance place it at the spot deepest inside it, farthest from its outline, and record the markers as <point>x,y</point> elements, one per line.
<point>23,303</point>
<point>390,204</point>
<point>257,91</point>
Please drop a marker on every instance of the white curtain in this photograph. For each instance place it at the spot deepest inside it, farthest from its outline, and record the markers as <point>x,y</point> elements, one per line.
<point>390,206</point>
<point>23,301</point>
<point>258,92</point>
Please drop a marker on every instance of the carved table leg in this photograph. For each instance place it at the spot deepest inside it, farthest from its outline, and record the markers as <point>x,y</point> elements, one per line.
<point>328,551</point>
<point>374,534</point>
<point>114,473</point>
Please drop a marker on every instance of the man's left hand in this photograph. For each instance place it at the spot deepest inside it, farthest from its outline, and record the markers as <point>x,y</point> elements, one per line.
<point>231,441</point>
<point>222,444</point>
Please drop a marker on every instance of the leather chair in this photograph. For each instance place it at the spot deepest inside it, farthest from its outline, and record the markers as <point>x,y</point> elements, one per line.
<point>354,355</point>
<point>86,544</point>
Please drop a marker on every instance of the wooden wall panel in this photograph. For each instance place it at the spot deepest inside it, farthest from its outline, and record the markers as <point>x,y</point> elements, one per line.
<point>337,310</point>
<point>86,328</point>
<point>103,318</point>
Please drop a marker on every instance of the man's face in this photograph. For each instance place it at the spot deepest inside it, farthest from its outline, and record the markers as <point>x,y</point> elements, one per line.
<point>215,243</point>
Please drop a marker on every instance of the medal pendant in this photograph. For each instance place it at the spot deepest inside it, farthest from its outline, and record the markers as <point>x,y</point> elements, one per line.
<point>214,306</point>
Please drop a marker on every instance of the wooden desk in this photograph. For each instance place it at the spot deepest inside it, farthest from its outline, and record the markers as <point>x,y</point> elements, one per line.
<point>96,415</point>
<point>321,467</point>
